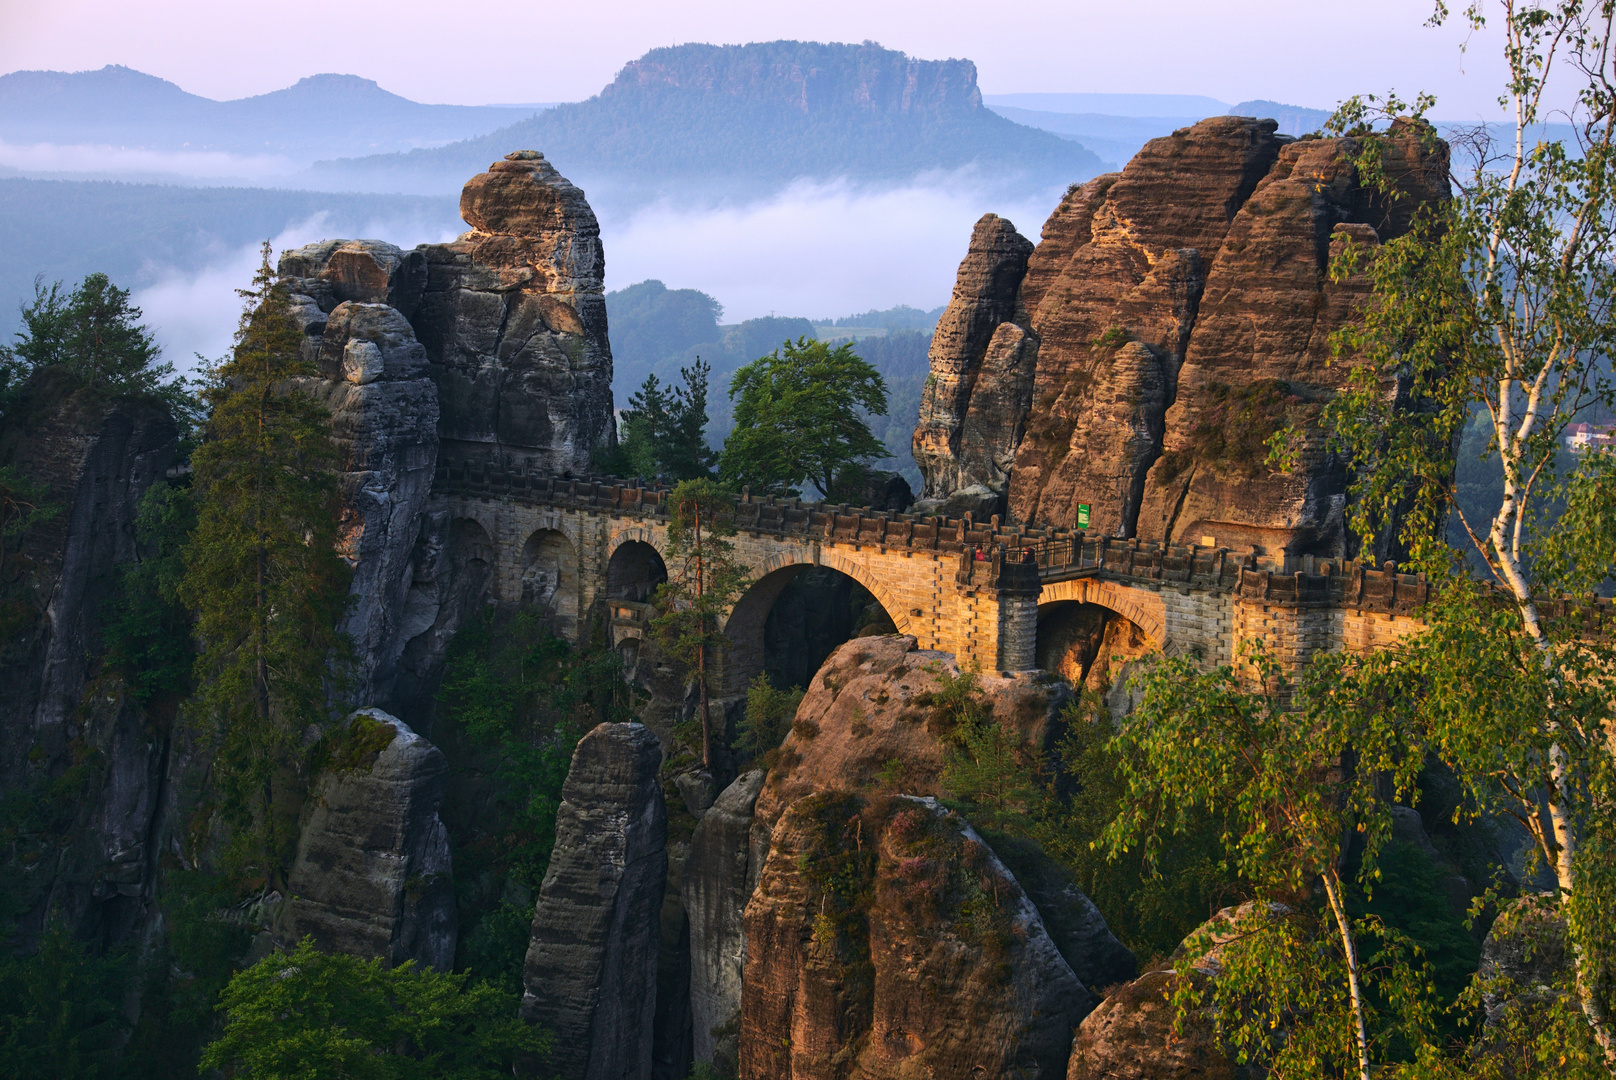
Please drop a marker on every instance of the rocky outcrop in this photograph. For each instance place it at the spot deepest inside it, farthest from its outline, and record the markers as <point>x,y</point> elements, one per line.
<point>718,879</point>
<point>1171,319</point>
<point>88,854</point>
<point>372,876</point>
<point>514,320</point>
<point>886,939</point>
<point>962,439</point>
<point>1075,925</point>
<point>591,969</point>
<point>490,348</point>
<point>1525,958</point>
<point>1130,1037</point>
<point>866,724</point>
<point>374,378</point>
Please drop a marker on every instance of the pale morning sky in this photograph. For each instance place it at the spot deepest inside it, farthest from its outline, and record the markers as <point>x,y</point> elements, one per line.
<point>1303,52</point>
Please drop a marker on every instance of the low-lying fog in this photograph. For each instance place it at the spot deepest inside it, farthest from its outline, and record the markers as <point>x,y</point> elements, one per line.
<point>816,250</point>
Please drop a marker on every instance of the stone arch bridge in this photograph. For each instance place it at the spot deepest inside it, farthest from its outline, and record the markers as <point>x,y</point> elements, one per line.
<point>592,549</point>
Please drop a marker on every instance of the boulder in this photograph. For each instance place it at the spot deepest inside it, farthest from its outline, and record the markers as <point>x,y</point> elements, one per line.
<point>372,875</point>
<point>886,939</point>
<point>866,724</point>
<point>1524,955</point>
<point>718,879</point>
<point>591,971</point>
<point>1131,1037</point>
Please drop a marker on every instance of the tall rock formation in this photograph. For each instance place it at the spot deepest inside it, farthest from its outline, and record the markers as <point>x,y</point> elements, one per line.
<point>514,320</point>
<point>591,970</point>
<point>490,348</point>
<point>1178,314</point>
<point>86,768</point>
<point>718,879</point>
<point>372,876</point>
<point>965,441</point>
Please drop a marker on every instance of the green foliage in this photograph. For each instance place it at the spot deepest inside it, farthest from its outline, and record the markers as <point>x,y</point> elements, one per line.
<point>1235,428</point>
<point>1291,769</point>
<point>518,698</point>
<point>93,334</point>
<point>352,746</point>
<point>1064,806</point>
<point>769,713</point>
<point>23,506</point>
<point>704,581</point>
<point>665,428</point>
<point>263,573</point>
<point>307,1014</point>
<point>148,629</point>
<point>800,417</point>
<point>183,976</point>
<point>60,1011</point>
<point>1409,897</point>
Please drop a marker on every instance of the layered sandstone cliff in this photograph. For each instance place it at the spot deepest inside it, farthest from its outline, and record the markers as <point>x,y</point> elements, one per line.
<point>1173,317</point>
<point>489,349</point>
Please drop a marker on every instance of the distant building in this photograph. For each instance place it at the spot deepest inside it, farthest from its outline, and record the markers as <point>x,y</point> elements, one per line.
<point>1583,437</point>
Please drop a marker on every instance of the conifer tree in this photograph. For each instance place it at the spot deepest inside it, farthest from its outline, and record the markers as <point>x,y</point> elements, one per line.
<point>263,573</point>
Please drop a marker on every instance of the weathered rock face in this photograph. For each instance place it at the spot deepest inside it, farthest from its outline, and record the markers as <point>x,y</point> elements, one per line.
<point>514,321</point>
<point>591,970</point>
<point>886,939</point>
<point>384,420</point>
<point>91,861</point>
<point>1130,1037</point>
<point>372,873</point>
<point>977,338</point>
<point>869,706</point>
<point>1175,315</point>
<point>1524,955</point>
<point>489,348</point>
<point>718,879</point>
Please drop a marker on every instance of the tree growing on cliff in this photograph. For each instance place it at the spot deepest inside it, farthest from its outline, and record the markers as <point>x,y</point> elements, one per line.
<point>263,573</point>
<point>1502,304</point>
<point>800,417</point>
<point>704,581</point>
<point>95,335</point>
<point>665,427</point>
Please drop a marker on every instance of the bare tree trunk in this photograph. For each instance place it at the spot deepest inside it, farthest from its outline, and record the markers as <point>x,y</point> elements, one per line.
<point>1349,946</point>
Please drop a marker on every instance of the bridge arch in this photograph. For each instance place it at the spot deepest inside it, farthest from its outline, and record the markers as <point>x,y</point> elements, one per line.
<point>550,580</point>
<point>1088,628</point>
<point>745,625</point>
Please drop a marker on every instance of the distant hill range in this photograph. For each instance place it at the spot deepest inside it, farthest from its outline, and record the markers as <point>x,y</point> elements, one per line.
<point>738,118</point>
<point>321,116</point>
<point>1115,126</point>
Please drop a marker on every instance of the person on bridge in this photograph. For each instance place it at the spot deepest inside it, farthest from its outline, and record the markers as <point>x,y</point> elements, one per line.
<point>1028,557</point>
<point>981,556</point>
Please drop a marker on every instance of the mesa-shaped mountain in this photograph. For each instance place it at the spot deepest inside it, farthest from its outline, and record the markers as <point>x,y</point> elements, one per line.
<point>320,115</point>
<point>746,117</point>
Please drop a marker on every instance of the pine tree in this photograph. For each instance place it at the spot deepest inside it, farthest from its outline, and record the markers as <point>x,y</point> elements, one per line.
<point>704,581</point>
<point>263,573</point>
<point>665,427</point>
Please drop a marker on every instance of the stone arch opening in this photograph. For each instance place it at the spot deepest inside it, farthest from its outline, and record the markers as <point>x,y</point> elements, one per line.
<point>1086,643</point>
<point>550,578</point>
<point>791,619</point>
<point>635,570</point>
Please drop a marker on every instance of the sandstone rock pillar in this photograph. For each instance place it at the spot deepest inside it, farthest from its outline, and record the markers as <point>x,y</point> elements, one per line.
<point>372,873</point>
<point>717,882</point>
<point>591,970</point>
